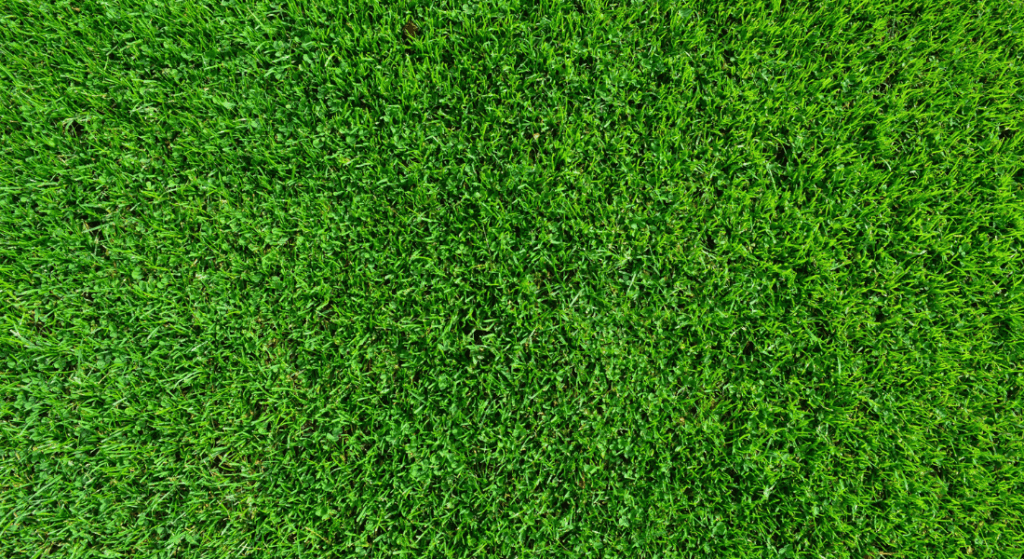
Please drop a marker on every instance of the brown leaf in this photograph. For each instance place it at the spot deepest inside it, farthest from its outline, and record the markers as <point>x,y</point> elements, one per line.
<point>410,30</point>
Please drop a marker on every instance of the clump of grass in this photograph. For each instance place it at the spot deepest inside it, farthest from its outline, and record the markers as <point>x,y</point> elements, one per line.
<point>582,279</point>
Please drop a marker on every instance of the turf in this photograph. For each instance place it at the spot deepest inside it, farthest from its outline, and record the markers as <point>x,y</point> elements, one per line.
<point>511,279</point>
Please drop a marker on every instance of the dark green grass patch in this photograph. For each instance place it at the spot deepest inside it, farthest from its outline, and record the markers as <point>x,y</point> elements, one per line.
<point>511,279</point>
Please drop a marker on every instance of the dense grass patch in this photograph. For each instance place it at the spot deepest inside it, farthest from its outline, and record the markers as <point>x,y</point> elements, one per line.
<point>511,279</point>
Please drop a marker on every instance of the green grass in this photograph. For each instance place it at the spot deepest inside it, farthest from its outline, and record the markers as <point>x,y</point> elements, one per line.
<point>547,279</point>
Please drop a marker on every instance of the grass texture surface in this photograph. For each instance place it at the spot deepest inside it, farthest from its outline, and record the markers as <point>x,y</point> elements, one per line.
<point>511,279</point>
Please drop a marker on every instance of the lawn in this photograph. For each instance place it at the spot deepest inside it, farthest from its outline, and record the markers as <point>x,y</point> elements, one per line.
<point>555,278</point>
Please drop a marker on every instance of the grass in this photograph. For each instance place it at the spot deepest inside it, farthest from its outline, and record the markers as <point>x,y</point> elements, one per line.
<point>521,279</point>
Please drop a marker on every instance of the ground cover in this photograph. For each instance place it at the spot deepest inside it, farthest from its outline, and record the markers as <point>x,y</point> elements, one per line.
<point>511,279</point>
